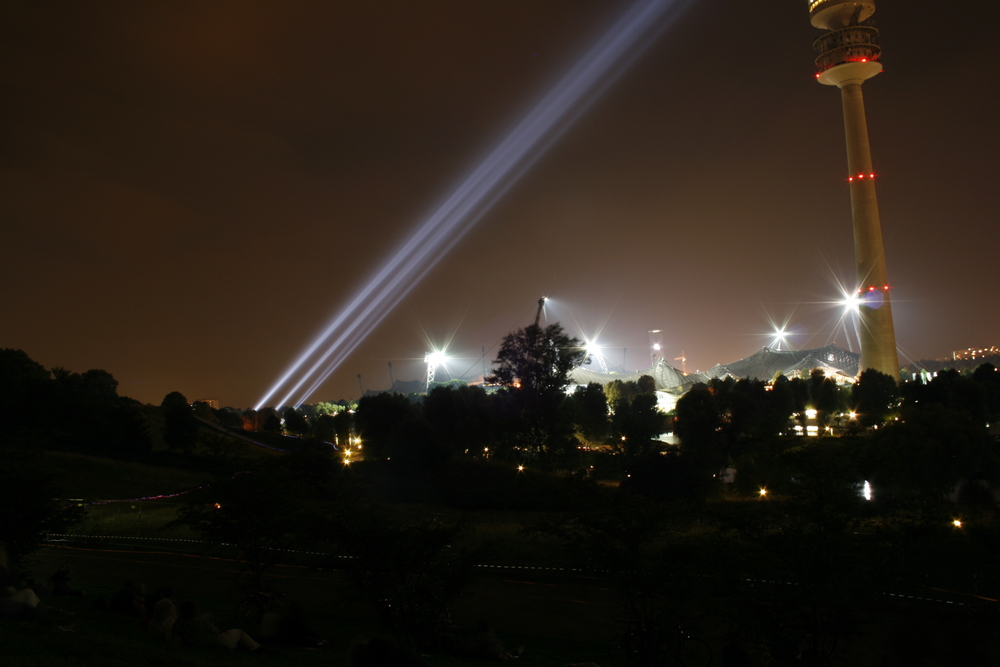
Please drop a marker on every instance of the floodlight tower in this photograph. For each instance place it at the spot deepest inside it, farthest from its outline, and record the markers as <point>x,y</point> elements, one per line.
<point>433,360</point>
<point>655,344</point>
<point>848,56</point>
<point>541,305</point>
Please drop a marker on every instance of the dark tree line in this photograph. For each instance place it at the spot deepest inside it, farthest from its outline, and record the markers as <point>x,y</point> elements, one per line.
<point>526,415</point>
<point>60,409</point>
<point>912,439</point>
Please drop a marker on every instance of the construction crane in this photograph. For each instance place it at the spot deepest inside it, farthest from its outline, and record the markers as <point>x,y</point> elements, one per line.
<point>683,359</point>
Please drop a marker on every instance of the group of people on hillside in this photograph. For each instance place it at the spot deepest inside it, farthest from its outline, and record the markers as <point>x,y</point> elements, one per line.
<point>185,623</point>
<point>19,598</point>
<point>182,623</point>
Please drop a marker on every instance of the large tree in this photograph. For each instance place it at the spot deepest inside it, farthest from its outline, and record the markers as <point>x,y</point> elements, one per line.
<point>381,421</point>
<point>533,366</point>
<point>635,424</point>
<point>462,418</point>
<point>180,427</point>
<point>875,396</point>
<point>590,413</point>
<point>295,421</point>
<point>537,359</point>
<point>698,426</point>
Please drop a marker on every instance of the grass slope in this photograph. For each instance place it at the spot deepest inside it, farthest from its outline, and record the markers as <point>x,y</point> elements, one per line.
<point>95,478</point>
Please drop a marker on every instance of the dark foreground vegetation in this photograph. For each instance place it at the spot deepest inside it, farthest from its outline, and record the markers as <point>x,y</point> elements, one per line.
<point>787,565</point>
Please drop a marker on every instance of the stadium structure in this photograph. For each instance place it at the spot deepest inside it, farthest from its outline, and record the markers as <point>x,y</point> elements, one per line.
<point>835,362</point>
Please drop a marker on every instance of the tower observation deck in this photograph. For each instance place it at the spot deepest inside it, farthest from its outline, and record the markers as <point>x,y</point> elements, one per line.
<point>849,55</point>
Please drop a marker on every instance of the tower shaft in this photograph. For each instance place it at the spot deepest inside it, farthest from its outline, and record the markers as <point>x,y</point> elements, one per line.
<point>878,337</point>
<point>848,56</point>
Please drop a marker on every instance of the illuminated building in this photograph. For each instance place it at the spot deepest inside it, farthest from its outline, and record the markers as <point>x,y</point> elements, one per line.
<point>848,56</point>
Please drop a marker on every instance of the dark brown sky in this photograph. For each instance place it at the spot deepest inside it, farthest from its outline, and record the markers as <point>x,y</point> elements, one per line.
<point>191,190</point>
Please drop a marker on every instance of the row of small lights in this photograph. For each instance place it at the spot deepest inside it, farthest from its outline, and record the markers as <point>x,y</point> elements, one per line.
<point>957,523</point>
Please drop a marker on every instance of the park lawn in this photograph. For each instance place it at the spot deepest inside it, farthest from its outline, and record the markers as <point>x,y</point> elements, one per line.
<point>139,519</point>
<point>96,478</point>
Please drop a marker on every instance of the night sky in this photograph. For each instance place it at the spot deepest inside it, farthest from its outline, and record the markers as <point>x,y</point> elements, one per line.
<point>191,190</point>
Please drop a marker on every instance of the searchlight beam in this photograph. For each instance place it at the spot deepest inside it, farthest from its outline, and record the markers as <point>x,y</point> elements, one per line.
<point>643,22</point>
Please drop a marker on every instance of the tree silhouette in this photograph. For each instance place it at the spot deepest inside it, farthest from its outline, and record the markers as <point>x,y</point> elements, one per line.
<point>180,428</point>
<point>635,423</point>
<point>875,395</point>
<point>591,414</point>
<point>533,366</point>
<point>536,359</point>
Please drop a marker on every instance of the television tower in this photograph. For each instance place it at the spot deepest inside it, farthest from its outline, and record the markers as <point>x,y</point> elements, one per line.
<point>848,56</point>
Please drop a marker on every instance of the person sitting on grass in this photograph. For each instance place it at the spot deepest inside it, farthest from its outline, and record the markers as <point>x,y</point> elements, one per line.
<point>194,629</point>
<point>13,610</point>
<point>10,583</point>
<point>128,601</point>
<point>60,583</point>
<point>40,588</point>
<point>164,615</point>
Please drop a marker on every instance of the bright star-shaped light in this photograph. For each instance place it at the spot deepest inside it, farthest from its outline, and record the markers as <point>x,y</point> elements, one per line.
<point>436,358</point>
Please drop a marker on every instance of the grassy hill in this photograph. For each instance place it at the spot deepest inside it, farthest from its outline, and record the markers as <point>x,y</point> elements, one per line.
<point>95,478</point>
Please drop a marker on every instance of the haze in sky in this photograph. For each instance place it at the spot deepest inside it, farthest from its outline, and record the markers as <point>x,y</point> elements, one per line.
<point>191,191</point>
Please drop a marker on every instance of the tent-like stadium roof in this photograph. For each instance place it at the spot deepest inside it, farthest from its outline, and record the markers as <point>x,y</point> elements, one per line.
<point>763,365</point>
